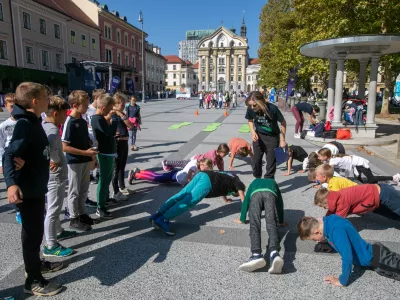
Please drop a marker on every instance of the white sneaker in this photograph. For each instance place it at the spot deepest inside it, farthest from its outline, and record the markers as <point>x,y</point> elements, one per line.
<point>396,178</point>
<point>296,136</point>
<point>120,197</point>
<point>276,264</point>
<point>125,192</point>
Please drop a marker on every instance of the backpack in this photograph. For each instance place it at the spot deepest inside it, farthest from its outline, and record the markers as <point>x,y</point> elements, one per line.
<point>303,134</point>
<point>343,134</point>
<point>329,134</point>
<point>319,129</point>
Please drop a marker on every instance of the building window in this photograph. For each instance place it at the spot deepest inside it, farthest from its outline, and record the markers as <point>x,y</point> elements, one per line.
<point>232,61</point>
<point>56,31</point>
<point>140,47</point>
<point>231,78</point>
<point>133,44</point>
<point>239,86</point>
<point>174,67</point>
<point>248,78</point>
<point>94,44</point>
<point>45,58</point>
<point>194,76</point>
<point>73,59</point>
<point>232,69</point>
<point>118,37</point>
<point>203,61</point>
<point>221,70</point>
<point>29,54</point>
<point>27,20</point>
<point>240,60</point>
<point>73,39</point>
<point>42,26</point>
<point>58,61</point>
<point>126,61</point>
<point>222,44</point>
<point>203,79</point>
<point>239,78</point>
<point>108,55</point>
<point>174,76</point>
<point>126,40</point>
<point>1,12</point>
<point>83,40</point>
<point>183,75</point>
<point>174,83</point>
<point>133,62</point>
<point>240,69</point>
<point>119,58</point>
<point>203,70</point>
<point>3,49</point>
<point>221,61</point>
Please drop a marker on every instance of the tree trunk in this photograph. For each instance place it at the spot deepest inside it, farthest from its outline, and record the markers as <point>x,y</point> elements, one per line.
<point>388,87</point>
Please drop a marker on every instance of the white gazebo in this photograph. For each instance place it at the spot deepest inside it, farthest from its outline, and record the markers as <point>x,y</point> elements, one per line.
<point>362,48</point>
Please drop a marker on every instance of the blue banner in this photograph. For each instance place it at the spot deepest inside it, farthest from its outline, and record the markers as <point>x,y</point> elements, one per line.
<point>131,86</point>
<point>114,85</point>
<point>272,95</point>
<point>98,81</point>
<point>291,81</point>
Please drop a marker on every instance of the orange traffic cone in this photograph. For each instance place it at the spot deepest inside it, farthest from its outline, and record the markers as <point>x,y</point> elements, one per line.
<point>225,113</point>
<point>196,113</point>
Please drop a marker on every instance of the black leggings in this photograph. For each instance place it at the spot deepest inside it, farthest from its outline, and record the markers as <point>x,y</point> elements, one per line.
<point>265,144</point>
<point>371,178</point>
<point>119,166</point>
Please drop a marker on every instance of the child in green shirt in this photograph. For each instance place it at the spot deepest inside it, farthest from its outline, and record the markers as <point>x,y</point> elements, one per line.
<point>263,194</point>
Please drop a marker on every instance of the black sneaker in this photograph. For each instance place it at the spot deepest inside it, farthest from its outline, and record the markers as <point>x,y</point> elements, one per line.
<point>50,267</point>
<point>103,213</point>
<point>111,202</point>
<point>276,264</point>
<point>86,219</point>
<point>93,180</point>
<point>66,214</point>
<point>44,288</point>
<point>78,225</point>
<point>255,262</point>
<point>90,203</point>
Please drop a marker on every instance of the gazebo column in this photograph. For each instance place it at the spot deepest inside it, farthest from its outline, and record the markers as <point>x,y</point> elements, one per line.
<point>337,119</point>
<point>362,77</point>
<point>373,75</point>
<point>331,84</point>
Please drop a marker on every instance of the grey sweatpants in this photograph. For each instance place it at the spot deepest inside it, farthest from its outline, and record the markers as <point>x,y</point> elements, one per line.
<point>78,188</point>
<point>55,199</point>
<point>263,201</point>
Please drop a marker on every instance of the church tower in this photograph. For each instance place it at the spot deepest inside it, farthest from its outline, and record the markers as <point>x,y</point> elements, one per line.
<point>243,30</point>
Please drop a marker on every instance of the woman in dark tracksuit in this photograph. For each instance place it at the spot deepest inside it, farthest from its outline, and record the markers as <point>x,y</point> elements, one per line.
<point>263,118</point>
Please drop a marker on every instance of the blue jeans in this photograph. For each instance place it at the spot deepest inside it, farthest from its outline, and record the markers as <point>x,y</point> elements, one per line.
<point>132,135</point>
<point>390,197</point>
<point>195,191</point>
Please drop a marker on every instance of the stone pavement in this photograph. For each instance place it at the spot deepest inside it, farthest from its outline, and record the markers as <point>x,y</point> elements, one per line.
<point>126,259</point>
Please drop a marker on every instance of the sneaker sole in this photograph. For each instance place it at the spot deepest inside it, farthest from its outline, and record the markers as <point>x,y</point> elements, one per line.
<point>253,265</point>
<point>276,267</point>
<point>105,218</point>
<point>55,292</point>
<point>80,230</point>
<point>155,226</point>
<point>66,238</point>
<point>90,205</point>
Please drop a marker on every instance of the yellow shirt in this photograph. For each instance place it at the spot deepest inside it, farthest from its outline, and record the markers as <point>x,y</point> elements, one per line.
<point>338,183</point>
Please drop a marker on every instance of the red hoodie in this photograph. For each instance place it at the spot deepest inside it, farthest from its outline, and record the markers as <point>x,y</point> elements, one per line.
<point>354,200</point>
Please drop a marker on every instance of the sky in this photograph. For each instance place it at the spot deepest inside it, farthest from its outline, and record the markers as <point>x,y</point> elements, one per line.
<point>166,21</point>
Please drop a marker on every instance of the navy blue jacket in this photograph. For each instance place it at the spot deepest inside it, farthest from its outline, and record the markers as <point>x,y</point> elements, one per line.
<point>343,236</point>
<point>29,142</point>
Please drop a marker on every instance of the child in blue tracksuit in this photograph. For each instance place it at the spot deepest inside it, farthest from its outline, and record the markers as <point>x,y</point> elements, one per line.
<point>133,113</point>
<point>206,184</point>
<point>346,240</point>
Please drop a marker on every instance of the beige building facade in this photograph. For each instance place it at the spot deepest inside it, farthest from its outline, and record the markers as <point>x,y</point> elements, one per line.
<point>223,58</point>
<point>155,65</point>
<point>179,73</point>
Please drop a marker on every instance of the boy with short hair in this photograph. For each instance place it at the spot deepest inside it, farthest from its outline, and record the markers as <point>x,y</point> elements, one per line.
<point>359,199</point>
<point>104,133</point>
<point>295,153</point>
<point>28,187</point>
<point>342,235</point>
<point>76,145</point>
<point>325,174</point>
<point>263,194</point>
<point>56,115</point>
<point>240,147</point>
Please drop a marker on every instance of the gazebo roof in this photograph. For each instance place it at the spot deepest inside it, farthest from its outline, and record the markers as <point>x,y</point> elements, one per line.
<point>353,47</point>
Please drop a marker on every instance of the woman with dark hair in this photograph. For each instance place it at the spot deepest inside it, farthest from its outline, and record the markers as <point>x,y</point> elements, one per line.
<point>298,110</point>
<point>263,118</point>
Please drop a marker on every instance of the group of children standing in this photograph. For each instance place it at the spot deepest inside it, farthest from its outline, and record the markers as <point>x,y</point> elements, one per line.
<point>217,100</point>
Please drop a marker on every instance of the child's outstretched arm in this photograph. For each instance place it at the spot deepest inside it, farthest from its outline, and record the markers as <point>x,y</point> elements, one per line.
<point>231,161</point>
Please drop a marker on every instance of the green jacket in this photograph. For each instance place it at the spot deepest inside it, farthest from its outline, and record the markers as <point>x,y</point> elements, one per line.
<point>262,185</point>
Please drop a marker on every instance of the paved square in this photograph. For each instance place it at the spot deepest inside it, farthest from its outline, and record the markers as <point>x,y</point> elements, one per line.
<point>126,259</point>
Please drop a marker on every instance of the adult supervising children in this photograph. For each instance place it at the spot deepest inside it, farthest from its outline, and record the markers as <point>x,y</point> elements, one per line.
<point>263,118</point>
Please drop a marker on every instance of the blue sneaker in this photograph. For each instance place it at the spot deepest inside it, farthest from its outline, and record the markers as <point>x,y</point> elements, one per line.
<point>18,218</point>
<point>276,263</point>
<point>163,224</point>
<point>66,214</point>
<point>57,251</point>
<point>152,220</point>
<point>255,262</point>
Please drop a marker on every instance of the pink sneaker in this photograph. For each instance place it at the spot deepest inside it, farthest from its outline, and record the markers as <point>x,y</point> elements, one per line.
<point>166,167</point>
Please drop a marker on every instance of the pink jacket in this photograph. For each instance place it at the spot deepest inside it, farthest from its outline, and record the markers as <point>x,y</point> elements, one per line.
<point>212,155</point>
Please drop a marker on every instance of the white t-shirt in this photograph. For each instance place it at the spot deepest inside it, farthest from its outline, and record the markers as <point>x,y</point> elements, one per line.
<point>182,175</point>
<point>349,163</point>
<point>333,148</point>
<point>91,111</point>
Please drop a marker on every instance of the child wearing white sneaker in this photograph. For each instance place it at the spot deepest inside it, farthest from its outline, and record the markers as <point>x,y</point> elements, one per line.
<point>263,194</point>
<point>56,115</point>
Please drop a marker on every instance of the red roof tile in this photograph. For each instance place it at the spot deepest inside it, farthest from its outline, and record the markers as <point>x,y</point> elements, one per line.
<point>253,61</point>
<point>196,65</point>
<point>173,59</point>
<point>69,8</point>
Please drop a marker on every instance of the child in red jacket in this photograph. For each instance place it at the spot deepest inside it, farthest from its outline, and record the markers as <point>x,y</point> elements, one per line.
<point>359,199</point>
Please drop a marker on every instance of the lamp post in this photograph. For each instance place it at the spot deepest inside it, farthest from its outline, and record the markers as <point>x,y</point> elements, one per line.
<point>143,93</point>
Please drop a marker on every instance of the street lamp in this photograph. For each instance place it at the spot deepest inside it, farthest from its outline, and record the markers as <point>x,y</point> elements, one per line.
<point>141,21</point>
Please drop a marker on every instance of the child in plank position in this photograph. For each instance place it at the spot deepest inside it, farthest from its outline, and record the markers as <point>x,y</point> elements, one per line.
<point>180,176</point>
<point>240,147</point>
<point>216,156</point>
<point>206,184</point>
<point>358,199</point>
<point>325,174</point>
<point>263,194</point>
<point>312,161</point>
<point>358,165</point>
<point>295,153</point>
<point>342,235</point>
